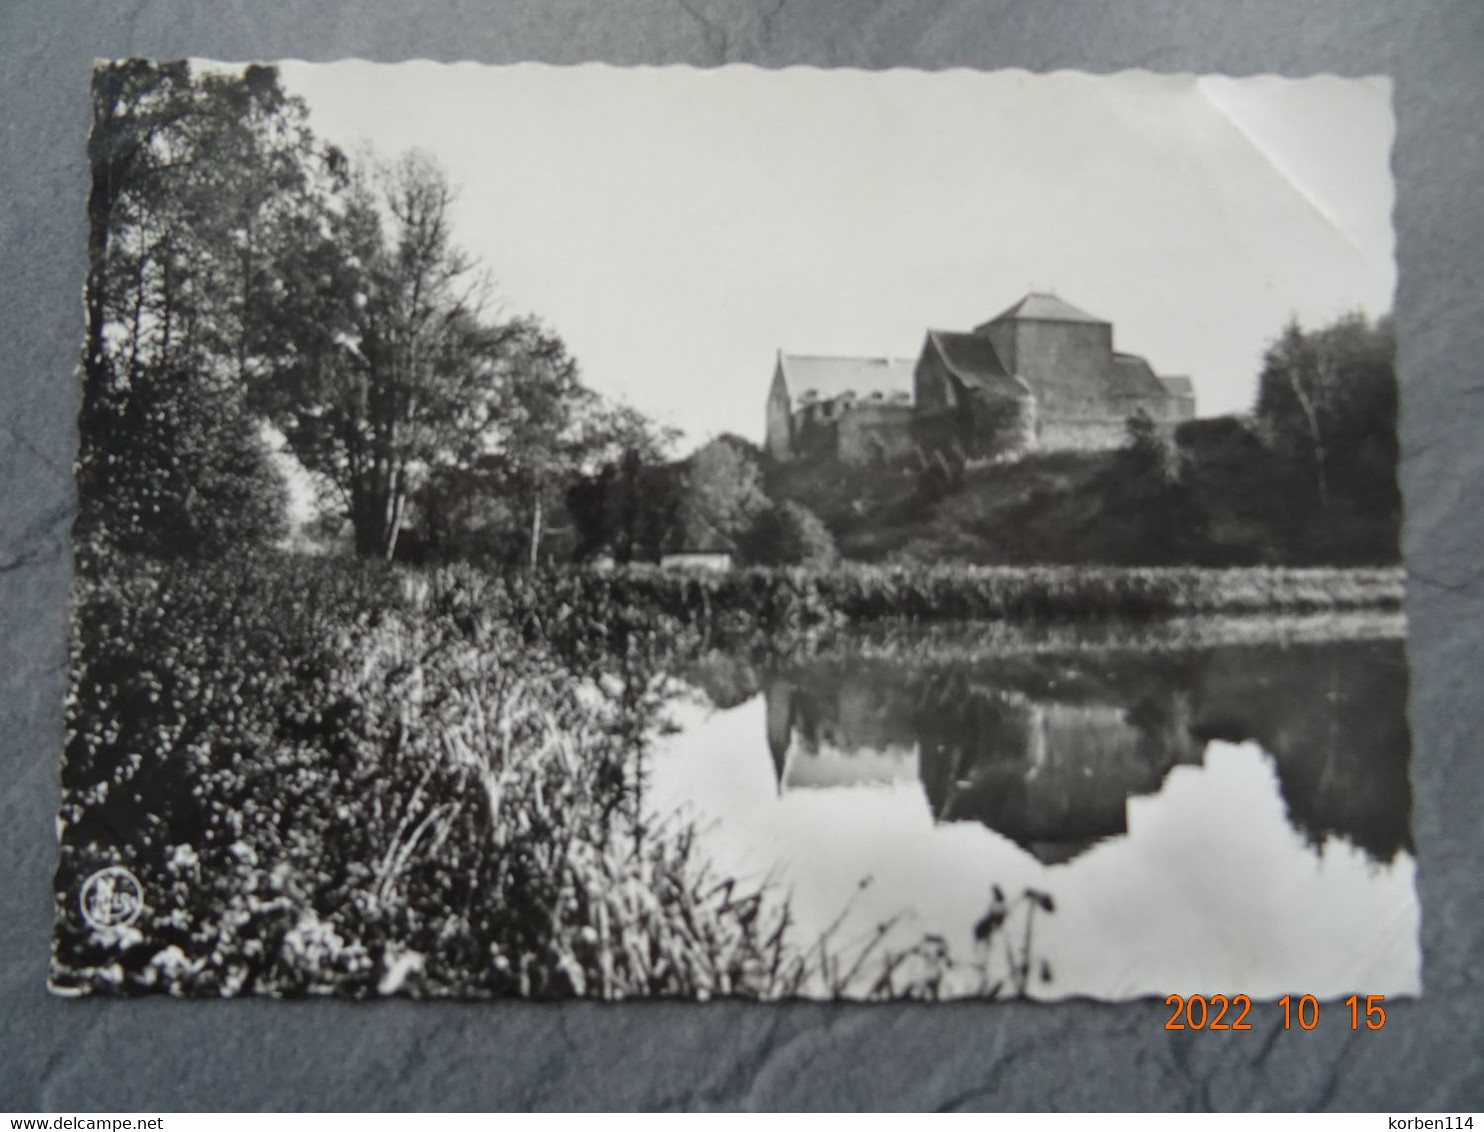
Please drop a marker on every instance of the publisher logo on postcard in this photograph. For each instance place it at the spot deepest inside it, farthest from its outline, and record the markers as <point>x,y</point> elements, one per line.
<point>111,898</point>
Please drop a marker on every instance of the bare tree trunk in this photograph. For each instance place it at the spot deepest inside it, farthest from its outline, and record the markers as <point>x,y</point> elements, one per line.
<point>136,321</point>
<point>167,316</point>
<point>1311,417</point>
<point>630,507</point>
<point>104,191</point>
<point>535,532</point>
<point>394,527</point>
<point>95,356</point>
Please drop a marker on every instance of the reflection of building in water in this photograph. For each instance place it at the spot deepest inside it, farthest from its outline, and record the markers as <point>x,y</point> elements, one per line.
<point>1052,776</point>
<point>849,738</point>
<point>1047,750</point>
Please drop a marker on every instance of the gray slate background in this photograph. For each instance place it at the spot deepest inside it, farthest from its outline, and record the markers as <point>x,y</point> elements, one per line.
<point>60,1056</point>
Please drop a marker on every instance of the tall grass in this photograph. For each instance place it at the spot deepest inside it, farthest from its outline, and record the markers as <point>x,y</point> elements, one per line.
<point>334,777</point>
<point>326,783</point>
<point>576,607</point>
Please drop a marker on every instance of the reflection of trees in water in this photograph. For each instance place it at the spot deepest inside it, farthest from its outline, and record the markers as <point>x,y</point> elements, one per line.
<point>1047,749</point>
<point>1334,719</point>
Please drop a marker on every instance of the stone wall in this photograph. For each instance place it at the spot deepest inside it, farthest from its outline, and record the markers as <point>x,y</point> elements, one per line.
<point>1081,434</point>
<point>1064,363</point>
<point>1091,434</point>
<point>934,389</point>
<point>854,431</point>
<point>815,428</point>
<point>872,432</point>
<point>1073,403</point>
<point>968,422</point>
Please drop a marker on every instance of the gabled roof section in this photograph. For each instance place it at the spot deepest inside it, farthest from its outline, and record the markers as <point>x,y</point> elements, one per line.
<point>1132,377</point>
<point>972,359</point>
<point>1178,386</point>
<point>829,378</point>
<point>1041,307</point>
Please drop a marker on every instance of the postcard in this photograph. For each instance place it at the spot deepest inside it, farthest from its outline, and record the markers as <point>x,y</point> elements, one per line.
<point>560,532</point>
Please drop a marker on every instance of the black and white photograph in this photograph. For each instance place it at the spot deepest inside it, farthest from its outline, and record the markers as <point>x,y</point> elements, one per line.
<point>596,532</point>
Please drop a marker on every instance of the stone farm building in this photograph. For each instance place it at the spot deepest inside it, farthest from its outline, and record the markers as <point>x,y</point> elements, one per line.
<point>1041,376</point>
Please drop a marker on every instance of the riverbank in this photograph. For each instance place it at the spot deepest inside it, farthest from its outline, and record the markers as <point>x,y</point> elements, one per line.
<point>770,602</point>
<point>323,785</point>
<point>331,776</point>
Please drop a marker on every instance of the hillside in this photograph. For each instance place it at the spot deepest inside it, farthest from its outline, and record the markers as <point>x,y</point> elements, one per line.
<point>1218,499</point>
<point>1047,508</point>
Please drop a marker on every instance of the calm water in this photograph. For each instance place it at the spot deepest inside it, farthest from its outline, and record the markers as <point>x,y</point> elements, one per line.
<point>1217,819</point>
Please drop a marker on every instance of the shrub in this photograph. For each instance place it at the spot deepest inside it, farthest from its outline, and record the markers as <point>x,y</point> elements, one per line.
<point>177,468</point>
<point>329,777</point>
<point>789,534</point>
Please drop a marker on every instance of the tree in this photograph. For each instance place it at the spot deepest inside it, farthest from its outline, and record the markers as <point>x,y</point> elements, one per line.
<point>630,506</point>
<point>241,272</point>
<point>1327,406</point>
<point>723,494</point>
<point>401,392</point>
<point>789,534</point>
<point>1147,455</point>
<point>1156,512</point>
<point>545,434</point>
<point>1328,398</point>
<point>133,102</point>
<point>190,176</point>
<point>187,474</point>
<point>396,370</point>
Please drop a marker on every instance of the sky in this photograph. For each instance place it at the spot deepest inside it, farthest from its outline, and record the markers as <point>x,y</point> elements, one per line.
<point>678,226</point>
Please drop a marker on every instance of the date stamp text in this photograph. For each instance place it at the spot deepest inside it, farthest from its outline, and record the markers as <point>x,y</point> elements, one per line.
<point>1231,1012</point>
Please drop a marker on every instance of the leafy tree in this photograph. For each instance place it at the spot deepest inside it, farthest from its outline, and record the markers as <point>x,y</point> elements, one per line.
<point>458,513</point>
<point>546,432</point>
<point>361,405</point>
<point>1146,454</point>
<point>1328,399</point>
<point>789,534</point>
<point>638,507</point>
<point>242,272</point>
<point>1327,403</point>
<point>402,393</point>
<point>192,178</point>
<point>1153,510</point>
<point>390,369</point>
<point>188,473</point>
<point>540,429</point>
<point>723,494</point>
<point>133,103</point>
<point>630,506</point>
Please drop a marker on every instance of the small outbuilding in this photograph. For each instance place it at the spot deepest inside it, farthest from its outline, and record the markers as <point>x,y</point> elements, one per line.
<point>718,560</point>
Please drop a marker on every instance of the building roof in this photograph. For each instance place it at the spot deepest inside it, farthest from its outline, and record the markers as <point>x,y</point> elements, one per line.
<point>1132,377</point>
<point>1041,307</point>
<point>1178,386</point>
<point>829,378</point>
<point>972,359</point>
